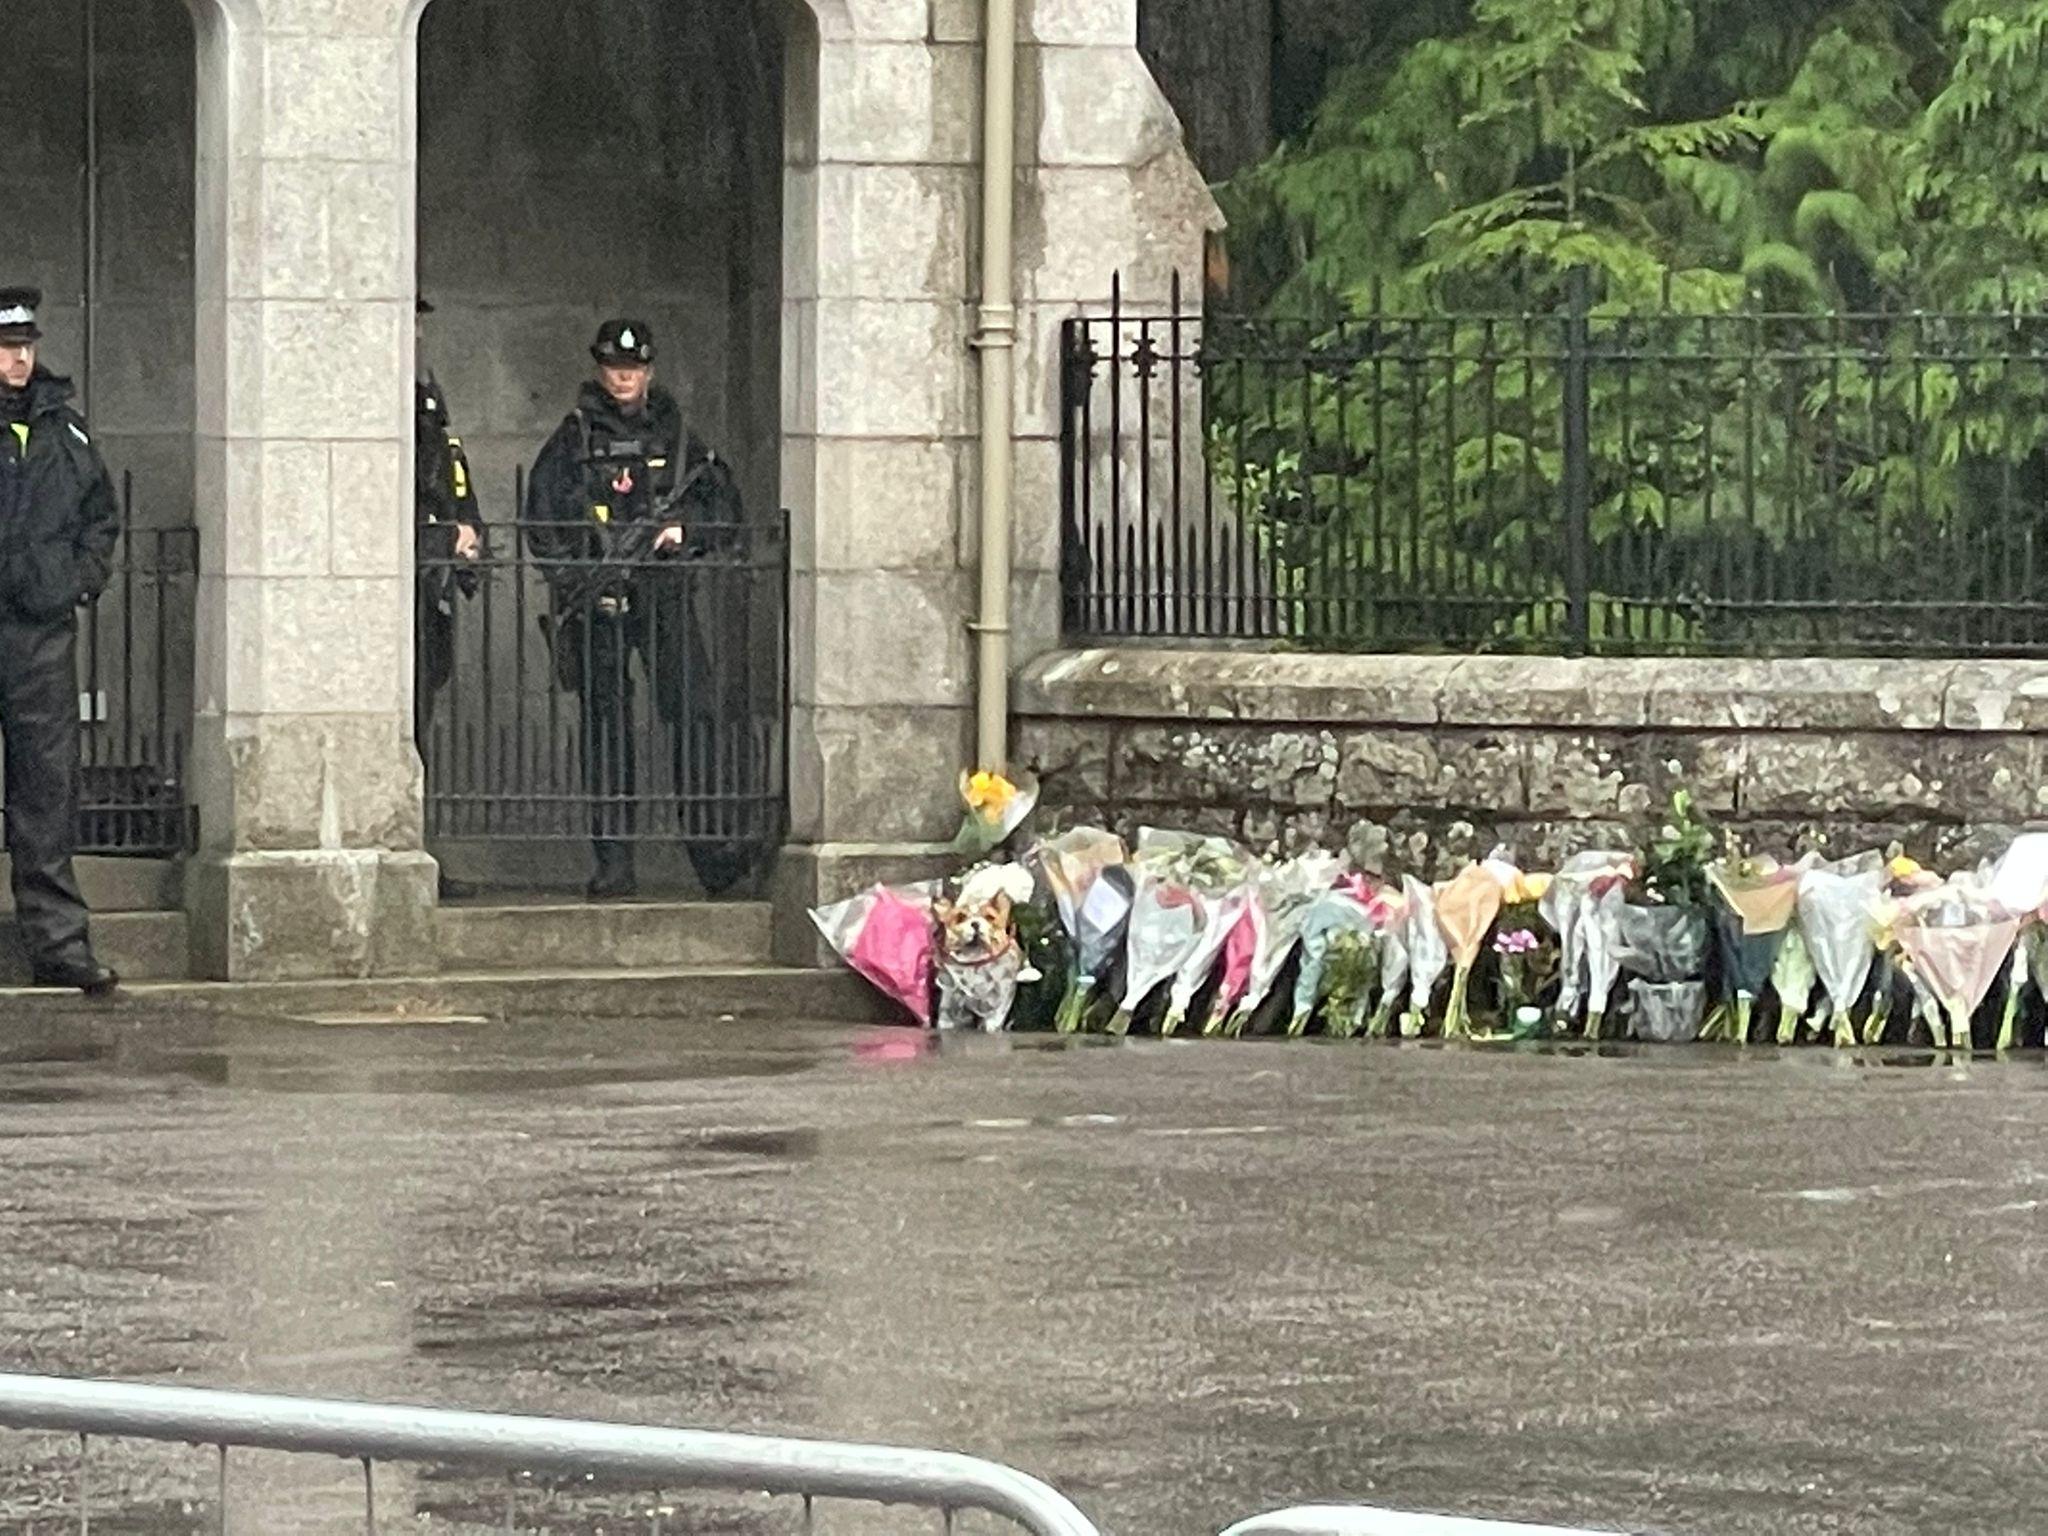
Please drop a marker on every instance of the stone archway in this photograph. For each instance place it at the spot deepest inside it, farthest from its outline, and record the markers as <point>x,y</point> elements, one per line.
<point>630,166</point>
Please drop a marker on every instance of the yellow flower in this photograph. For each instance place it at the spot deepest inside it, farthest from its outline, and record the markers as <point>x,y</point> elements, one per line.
<point>1903,868</point>
<point>1529,888</point>
<point>988,795</point>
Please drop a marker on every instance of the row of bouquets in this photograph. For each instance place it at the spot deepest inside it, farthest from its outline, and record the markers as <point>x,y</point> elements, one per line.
<point>1184,932</point>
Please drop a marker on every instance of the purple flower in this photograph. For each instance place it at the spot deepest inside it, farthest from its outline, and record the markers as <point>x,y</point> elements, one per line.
<point>1520,942</point>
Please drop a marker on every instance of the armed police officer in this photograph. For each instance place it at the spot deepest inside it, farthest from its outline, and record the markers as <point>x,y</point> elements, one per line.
<point>448,541</point>
<point>59,522</point>
<point>602,508</point>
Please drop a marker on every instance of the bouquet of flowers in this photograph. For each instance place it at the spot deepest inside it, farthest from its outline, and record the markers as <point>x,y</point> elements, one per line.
<point>1393,970</point>
<point>1428,954</point>
<point>1758,899</point>
<point>1168,918</point>
<point>1792,978</point>
<point>1835,906</point>
<point>1664,948</point>
<point>2019,881</point>
<point>1336,916</point>
<point>1351,979</point>
<point>1583,906</point>
<point>1958,940</point>
<point>1662,945</point>
<point>1241,948</point>
<point>996,808</point>
<point>1288,893</point>
<point>1077,867</point>
<point>888,935</point>
<point>1465,909</point>
<point>1224,913</point>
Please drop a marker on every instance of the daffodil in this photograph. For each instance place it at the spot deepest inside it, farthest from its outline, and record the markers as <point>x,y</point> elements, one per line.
<point>988,795</point>
<point>995,808</point>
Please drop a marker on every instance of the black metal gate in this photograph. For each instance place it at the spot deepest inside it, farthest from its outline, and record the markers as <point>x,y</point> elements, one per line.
<point>135,647</point>
<point>606,696</point>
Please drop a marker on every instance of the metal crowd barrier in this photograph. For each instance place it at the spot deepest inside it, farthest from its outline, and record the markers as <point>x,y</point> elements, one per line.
<point>668,1459</point>
<point>665,1459</point>
<point>1357,1520</point>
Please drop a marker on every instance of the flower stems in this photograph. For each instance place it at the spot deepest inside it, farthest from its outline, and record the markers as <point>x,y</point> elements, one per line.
<point>1457,1016</point>
<point>1788,1024</point>
<point>1074,1005</point>
<point>1960,1037</point>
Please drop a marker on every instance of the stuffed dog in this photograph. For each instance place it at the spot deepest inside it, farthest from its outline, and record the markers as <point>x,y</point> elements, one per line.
<point>980,961</point>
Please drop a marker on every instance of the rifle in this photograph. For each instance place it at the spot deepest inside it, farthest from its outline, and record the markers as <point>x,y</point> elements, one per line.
<point>630,548</point>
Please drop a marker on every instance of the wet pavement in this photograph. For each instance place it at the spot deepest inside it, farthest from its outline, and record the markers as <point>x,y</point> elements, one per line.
<point>1687,1290</point>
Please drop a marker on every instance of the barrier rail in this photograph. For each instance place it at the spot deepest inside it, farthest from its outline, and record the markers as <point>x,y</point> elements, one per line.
<point>663,1458</point>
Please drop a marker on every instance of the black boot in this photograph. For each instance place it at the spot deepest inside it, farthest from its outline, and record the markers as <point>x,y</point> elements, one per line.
<point>721,867</point>
<point>614,880</point>
<point>87,976</point>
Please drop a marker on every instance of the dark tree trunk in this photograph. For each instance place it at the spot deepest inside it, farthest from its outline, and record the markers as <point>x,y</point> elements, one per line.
<point>1214,59</point>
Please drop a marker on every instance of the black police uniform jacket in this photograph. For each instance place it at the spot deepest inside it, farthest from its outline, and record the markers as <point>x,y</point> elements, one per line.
<point>603,471</point>
<point>443,493</point>
<point>59,520</point>
<point>444,498</point>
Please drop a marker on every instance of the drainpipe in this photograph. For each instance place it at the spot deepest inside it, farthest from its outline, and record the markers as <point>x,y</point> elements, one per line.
<point>995,339</point>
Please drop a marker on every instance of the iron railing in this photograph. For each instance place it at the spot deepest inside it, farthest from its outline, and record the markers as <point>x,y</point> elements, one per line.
<point>650,710</point>
<point>666,1460</point>
<point>135,647</point>
<point>1583,481</point>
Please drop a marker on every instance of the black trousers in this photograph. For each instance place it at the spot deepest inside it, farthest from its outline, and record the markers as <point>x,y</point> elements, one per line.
<point>594,657</point>
<point>39,719</point>
<point>433,641</point>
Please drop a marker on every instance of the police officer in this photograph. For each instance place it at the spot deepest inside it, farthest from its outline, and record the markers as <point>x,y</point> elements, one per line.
<point>58,525</point>
<point>448,541</point>
<point>609,470</point>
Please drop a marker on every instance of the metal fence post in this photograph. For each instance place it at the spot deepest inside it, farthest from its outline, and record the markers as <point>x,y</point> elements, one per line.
<point>1578,466</point>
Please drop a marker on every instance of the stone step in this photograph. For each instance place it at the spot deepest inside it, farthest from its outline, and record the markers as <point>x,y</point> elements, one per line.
<point>115,885</point>
<point>142,946</point>
<point>684,994</point>
<point>541,936</point>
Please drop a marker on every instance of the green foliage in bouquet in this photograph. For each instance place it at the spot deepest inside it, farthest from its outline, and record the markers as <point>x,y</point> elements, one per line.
<point>1351,984</point>
<point>1677,853</point>
<point>1048,950</point>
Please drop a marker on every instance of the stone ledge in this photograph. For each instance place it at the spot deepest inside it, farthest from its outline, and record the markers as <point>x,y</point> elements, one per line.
<point>1505,692</point>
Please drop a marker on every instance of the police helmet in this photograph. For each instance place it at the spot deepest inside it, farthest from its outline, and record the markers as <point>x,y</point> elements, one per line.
<point>18,308</point>
<point>623,344</point>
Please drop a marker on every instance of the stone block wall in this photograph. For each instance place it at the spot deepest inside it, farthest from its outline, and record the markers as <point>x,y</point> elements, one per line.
<point>1419,763</point>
